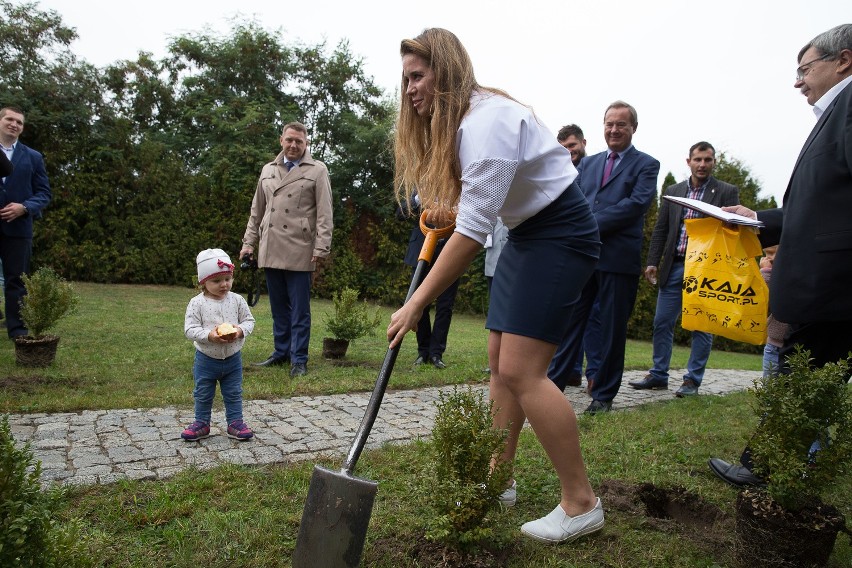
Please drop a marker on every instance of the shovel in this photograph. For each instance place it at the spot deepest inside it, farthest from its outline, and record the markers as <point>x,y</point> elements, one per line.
<point>338,506</point>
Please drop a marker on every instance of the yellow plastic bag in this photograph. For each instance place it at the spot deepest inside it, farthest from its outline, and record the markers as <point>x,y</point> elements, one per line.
<point>723,291</point>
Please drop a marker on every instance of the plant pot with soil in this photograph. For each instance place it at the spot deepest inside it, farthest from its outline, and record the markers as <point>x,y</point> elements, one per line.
<point>49,298</point>
<point>802,445</point>
<point>349,321</point>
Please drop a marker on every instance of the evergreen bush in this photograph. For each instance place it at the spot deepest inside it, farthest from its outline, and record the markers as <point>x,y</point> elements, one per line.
<point>462,488</point>
<point>796,409</point>
<point>29,534</point>
<point>350,319</point>
<point>49,298</point>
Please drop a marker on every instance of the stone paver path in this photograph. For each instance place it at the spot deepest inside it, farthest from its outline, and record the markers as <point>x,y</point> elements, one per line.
<point>102,446</point>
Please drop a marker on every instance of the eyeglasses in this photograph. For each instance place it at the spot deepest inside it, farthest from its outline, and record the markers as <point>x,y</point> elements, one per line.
<point>805,68</point>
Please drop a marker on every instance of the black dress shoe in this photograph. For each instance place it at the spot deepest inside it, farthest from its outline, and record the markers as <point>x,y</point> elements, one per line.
<point>273,362</point>
<point>436,361</point>
<point>598,406</point>
<point>736,475</point>
<point>298,369</point>
<point>650,382</point>
<point>419,361</point>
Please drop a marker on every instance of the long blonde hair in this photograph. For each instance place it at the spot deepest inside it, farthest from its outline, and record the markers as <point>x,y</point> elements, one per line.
<point>425,146</point>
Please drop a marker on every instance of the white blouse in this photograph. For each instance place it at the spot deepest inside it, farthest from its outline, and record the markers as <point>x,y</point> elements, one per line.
<point>512,165</point>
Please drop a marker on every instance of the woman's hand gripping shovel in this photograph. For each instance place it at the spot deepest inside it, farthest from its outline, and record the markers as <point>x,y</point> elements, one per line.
<point>339,505</point>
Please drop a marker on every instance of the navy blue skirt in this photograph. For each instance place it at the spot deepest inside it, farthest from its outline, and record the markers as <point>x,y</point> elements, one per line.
<point>543,268</point>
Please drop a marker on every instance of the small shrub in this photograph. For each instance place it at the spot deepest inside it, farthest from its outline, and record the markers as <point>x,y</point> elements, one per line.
<point>49,298</point>
<point>350,319</point>
<point>796,409</point>
<point>29,535</point>
<point>462,488</point>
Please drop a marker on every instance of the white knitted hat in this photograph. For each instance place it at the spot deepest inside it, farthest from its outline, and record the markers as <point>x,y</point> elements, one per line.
<point>212,262</point>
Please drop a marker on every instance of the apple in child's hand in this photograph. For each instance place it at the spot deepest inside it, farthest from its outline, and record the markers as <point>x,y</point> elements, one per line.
<point>226,331</point>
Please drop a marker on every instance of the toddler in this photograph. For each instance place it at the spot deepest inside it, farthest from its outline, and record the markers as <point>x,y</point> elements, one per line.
<point>217,348</point>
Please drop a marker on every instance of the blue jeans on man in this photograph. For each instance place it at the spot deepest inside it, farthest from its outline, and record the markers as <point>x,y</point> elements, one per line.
<point>669,305</point>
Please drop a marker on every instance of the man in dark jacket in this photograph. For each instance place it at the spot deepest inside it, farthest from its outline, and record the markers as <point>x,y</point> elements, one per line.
<point>813,265</point>
<point>666,265</point>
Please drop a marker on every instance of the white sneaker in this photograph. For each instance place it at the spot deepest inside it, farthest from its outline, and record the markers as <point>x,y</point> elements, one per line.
<point>558,527</point>
<point>509,496</point>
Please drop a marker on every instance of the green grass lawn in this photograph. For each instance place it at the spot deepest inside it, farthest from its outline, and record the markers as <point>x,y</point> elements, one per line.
<point>235,516</point>
<point>125,349</point>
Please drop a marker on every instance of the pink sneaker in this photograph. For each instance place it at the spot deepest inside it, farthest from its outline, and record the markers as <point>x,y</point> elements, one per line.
<point>196,431</point>
<point>239,431</point>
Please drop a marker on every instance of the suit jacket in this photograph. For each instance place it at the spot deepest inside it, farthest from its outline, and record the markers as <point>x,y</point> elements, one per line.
<point>291,215</point>
<point>620,205</point>
<point>27,184</point>
<point>813,265</point>
<point>663,246</point>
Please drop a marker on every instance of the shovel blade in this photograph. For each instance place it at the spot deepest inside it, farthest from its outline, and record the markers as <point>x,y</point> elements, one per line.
<point>334,521</point>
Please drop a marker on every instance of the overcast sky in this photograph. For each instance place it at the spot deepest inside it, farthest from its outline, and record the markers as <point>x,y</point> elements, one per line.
<point>720,71</point>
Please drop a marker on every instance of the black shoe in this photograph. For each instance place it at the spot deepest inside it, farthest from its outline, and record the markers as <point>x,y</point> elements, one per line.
<point>736,475</point>
<point>419,361</point>
<point>436,360</point>
<point>650,382</point>
<point>598,406</point>
<point>298,369</point>
<point>273,362</point>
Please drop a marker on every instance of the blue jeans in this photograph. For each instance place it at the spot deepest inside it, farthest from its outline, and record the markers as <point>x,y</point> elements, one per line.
<point>771,359</point>
<point>669,303</point>
<point>229,373</point>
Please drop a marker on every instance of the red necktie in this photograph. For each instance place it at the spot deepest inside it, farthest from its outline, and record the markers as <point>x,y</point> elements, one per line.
<point>608,169</point>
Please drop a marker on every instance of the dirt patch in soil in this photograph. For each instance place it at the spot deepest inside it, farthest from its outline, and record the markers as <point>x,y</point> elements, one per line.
<point>671,510</point>
<point>24,385</point>
<point>424,552</point>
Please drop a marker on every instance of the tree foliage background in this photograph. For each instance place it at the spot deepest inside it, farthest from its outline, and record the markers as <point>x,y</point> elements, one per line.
<point>153,160</point>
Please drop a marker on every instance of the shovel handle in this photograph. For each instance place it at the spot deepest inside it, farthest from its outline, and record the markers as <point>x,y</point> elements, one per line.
<point>427,251</point>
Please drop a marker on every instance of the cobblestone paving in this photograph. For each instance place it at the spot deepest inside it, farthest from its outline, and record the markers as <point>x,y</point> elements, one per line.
<point>103,446</point>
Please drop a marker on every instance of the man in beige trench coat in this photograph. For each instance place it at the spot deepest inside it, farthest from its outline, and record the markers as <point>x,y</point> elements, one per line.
<point>291,218</point>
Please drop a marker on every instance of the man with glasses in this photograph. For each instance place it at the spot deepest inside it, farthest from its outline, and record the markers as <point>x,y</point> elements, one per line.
<point>813,265</point>
<point>620,183</point>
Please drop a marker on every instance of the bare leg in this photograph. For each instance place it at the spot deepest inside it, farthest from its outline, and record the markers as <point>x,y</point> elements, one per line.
<point>508,413</point>
<point>519,388</point>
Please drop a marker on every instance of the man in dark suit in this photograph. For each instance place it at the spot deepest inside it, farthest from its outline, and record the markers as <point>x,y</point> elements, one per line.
<point>23,195</point>
<point>665,266</point>
<point>619,184</point>
<point>813,265</point>
<point>431,338</point>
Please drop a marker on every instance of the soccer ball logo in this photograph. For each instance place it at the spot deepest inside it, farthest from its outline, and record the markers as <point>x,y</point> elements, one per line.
<point>690,284</point>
